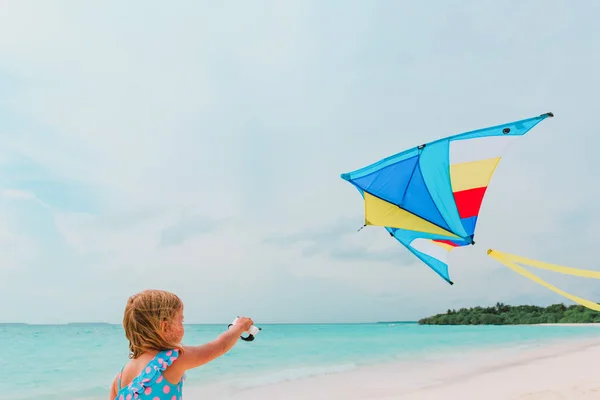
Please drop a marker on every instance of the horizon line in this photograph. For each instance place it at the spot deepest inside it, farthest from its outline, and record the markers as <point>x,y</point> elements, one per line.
<point>208,323</point>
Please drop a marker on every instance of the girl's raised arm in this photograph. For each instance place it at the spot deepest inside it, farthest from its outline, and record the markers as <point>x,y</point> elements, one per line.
<point>195,356</point>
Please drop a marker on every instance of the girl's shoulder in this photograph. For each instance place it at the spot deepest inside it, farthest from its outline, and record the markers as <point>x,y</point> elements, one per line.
<point>151,379</point>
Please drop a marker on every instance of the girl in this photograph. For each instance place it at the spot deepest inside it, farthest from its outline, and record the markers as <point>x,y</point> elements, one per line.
<point>153,323</point>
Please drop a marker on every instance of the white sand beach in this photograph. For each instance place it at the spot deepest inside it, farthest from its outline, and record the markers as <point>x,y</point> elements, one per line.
<point>564,370</point>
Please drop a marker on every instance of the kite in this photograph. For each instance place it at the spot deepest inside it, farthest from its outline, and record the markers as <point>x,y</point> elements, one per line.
<point>428,197</point>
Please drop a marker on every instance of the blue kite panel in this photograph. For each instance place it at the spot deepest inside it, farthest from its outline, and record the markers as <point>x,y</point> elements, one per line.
<point>517,128</point>
<point>376,166</point>
<point>436,265</point>
<point>418,201</point>
<point>469,224</point>
<point>435,166</point>
<point>389,183</point>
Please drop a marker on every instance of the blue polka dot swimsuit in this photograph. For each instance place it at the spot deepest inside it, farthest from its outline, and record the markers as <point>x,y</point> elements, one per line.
<point>151,384</point>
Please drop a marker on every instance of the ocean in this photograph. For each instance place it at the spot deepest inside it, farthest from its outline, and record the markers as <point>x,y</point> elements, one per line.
<point>79,361</point>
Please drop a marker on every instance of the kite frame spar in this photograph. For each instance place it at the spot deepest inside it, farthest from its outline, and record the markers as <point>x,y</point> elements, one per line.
<point>429,196</point>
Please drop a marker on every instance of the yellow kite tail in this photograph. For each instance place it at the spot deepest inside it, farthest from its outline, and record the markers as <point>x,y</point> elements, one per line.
<point>586,273</point>
<point>510,261</point>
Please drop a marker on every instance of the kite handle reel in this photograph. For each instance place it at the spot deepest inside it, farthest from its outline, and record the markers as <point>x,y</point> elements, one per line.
<point>252,332</point>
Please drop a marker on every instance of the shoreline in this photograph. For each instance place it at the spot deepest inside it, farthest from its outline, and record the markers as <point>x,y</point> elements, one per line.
<point>559,367</point>
<point>211,324</point>
<point>572,324</point>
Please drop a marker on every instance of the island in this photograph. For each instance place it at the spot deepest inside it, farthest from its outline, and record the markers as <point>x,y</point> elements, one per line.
<point>503,314</point>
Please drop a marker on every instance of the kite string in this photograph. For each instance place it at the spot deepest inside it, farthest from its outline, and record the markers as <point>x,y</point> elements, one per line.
<point>506,260</point>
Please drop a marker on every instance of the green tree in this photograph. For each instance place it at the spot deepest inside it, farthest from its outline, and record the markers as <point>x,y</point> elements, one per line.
<point>502,314</point>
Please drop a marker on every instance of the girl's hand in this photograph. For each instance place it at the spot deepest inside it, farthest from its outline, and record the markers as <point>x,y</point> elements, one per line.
<point>244,323</point>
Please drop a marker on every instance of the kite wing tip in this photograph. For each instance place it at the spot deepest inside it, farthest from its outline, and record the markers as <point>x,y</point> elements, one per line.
<point>549,114</point>
<point>489,251</point>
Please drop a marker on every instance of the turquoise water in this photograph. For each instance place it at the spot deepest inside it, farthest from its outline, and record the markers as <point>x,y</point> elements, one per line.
<point>80,361</point>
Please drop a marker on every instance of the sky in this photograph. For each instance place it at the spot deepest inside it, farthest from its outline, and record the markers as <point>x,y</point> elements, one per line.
<point>197,147</point>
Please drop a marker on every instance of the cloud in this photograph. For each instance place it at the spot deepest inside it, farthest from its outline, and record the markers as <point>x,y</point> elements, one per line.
<point>189,225</point>
<point>342,241</point>
<point>198,148</point>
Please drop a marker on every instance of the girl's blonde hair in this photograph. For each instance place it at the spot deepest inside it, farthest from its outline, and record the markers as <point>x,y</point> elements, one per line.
<point>143,320</point>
